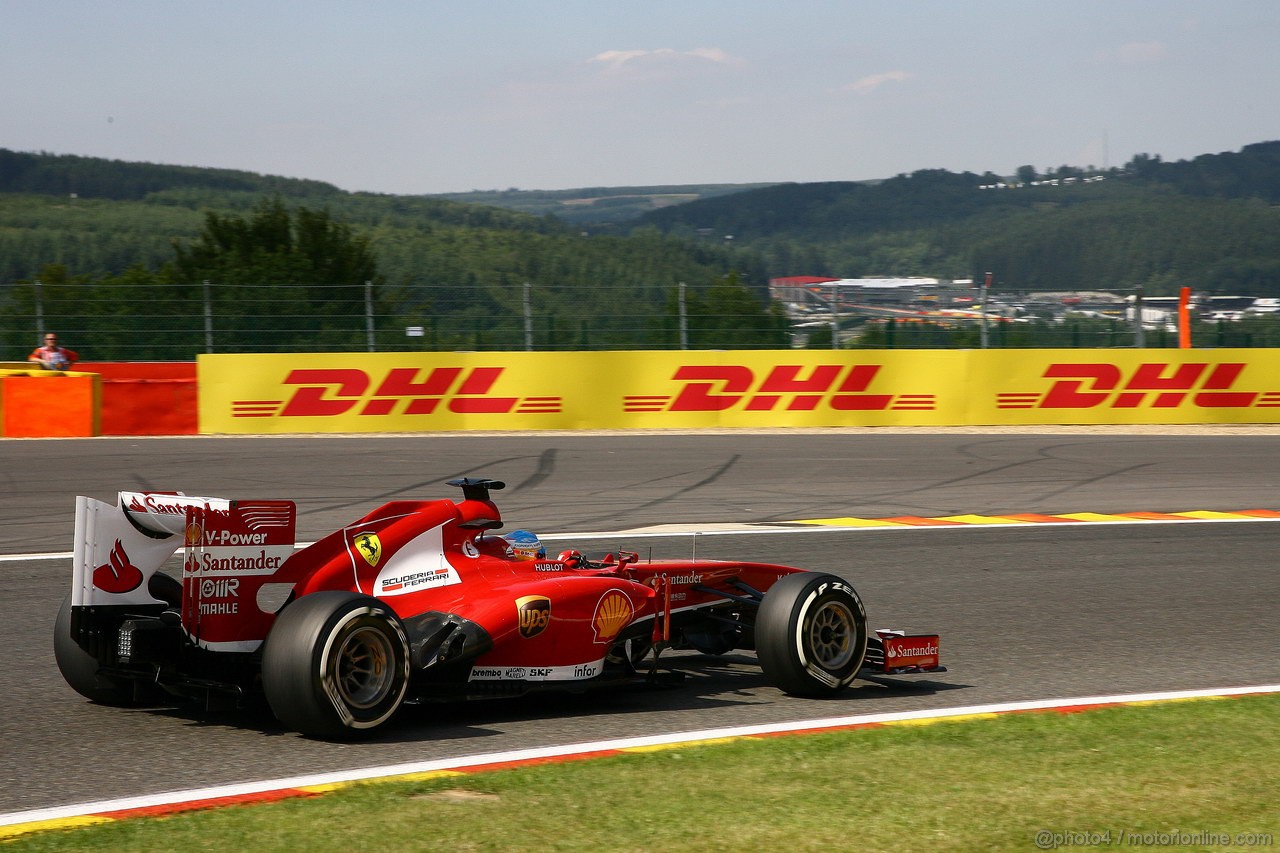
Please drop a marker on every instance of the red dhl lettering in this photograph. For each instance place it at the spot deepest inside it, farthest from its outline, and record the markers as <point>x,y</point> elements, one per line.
<point>786,387</point>
<point>330,392</point>
<point>1155,385</point>
<point>333,392</point>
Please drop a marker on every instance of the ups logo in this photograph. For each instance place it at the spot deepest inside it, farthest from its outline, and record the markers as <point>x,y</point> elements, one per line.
<point>534,612</point>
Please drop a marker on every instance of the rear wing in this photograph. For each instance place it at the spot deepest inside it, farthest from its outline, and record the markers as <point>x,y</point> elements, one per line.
<point>233,549</point>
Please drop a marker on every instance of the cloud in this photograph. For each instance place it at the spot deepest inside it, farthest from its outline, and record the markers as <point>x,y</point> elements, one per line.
<point>713,54</point>
<point>617,59</point>
<point>874,81</point>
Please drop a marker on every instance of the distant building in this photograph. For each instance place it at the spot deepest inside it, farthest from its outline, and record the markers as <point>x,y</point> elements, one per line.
<point>819,301</point>
<point>813,291</point>
<point>797,289</point>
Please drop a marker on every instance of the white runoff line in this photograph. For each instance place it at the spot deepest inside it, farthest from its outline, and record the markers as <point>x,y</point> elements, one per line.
<point>391,771</point>
<point>736,529</point>
<point>25,558</point>
<point>764,527</point>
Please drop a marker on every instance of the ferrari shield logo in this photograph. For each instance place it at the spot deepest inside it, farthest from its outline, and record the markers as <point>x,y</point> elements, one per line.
<point>370,547</point>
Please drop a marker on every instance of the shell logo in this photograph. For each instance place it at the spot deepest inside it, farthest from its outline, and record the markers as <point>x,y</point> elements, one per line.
<point>193,534</point>
<point>613,611</point>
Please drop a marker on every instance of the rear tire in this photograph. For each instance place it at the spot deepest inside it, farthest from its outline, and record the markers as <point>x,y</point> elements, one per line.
<point>336,665</point>
<point>811,634</point>
<point>80,669</point>
<point>167,589</point>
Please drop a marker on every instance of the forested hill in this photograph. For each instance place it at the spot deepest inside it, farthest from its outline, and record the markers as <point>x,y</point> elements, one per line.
<point>94,216</point>
<point>98,178</point>
<point>95,177</point>
<point>1212,223</point>
<point>597,207</point>
<point>927,198</point>
<point>109,251</point>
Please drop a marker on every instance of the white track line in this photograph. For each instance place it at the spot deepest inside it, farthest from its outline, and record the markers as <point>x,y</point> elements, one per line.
<point>675,530</point>
<point>738,529</point>
<point>389,772</point>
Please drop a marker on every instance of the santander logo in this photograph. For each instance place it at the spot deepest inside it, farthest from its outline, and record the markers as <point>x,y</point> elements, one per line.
<point>905,651</point>
<point>119,575</point>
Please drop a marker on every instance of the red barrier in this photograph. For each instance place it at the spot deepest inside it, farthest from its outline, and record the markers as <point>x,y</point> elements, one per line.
<point>53,404</point>
<point>146,397</point>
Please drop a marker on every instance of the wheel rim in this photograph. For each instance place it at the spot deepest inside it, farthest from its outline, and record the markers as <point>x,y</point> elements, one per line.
<point>832,633</point>
<point>366,670</point>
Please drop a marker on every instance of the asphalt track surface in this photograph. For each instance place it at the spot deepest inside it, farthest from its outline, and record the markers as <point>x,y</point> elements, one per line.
<point>1025,613</point>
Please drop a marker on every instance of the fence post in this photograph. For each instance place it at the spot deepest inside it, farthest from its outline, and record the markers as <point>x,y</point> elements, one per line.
<point>368,315</point>
<point>39,313</point>
<point>684,318</point>
<point>528,319</point>
<point>1139,333</point>
<point>982,310</point>
<point>208,319</point>
<point>835,319</point>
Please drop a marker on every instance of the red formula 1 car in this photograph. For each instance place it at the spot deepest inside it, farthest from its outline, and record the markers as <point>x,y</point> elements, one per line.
<point>420,600</point>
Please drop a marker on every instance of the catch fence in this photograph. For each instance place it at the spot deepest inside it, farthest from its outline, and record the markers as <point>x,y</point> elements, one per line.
<point>178,322</point>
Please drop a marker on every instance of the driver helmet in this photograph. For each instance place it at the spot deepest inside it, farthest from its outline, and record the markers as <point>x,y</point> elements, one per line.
<point>524,545</point>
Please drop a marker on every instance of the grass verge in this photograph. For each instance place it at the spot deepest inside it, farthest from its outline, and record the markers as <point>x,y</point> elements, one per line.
<point>1188,772</point>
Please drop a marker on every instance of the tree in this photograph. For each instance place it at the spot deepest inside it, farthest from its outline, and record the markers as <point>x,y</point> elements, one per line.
<point>1144,164</point>
<point>271,246</point>
<point>730,316</point>
<point>281,277</point>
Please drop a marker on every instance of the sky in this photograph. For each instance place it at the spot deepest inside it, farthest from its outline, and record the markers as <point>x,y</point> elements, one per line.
<point>437,96</point>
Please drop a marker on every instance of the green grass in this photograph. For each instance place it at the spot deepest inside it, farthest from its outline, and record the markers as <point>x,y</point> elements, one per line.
<point>1210,766</point>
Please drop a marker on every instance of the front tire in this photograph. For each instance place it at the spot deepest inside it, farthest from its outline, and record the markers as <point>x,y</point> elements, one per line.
<point>811,634</point>
<point>628,655</point>
<point>336,665</point>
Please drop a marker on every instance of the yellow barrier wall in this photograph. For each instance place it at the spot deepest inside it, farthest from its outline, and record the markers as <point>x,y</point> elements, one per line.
<point>417,392</point>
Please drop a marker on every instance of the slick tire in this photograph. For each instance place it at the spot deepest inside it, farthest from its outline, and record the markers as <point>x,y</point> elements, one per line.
<point>336,665</point>
<point>628,656</point>
<point>80,669</point>
<point>811,634</point>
